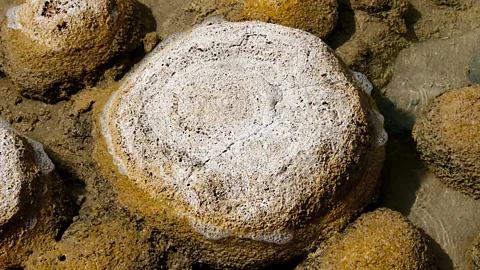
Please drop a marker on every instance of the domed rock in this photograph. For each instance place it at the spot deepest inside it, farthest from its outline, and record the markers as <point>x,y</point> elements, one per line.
<point>53,47</point>
<point>253,134</point>
<point>447,136</point>
<point>318,17</point>
<point>382,239</point>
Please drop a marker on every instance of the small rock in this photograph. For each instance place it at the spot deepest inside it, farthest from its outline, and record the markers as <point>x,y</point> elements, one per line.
<point>150,41</point>
<point>447,137</point>
<point>382,239</point>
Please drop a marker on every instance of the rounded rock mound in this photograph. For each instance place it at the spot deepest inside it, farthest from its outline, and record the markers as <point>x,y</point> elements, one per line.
<point>382,239</point>
<point>22,162</point>
<point>318,17</point>
<point>473,255</point>
<point>53,47</point>
<point>249,131</point>
<point>447,137</point>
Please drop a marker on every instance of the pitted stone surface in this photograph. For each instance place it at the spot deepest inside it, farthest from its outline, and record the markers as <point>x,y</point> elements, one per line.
<point>51,47</point>
<point>382,239</point>
<point>447,136</point>
<point>56,23</point>
<point>242,127</point>
<point>21,162</point>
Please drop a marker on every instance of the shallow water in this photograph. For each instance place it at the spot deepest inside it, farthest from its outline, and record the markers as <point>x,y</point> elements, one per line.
<point>437,59</point>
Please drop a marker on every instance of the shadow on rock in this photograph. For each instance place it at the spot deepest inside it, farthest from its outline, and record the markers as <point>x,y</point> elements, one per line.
<point>442,259</point>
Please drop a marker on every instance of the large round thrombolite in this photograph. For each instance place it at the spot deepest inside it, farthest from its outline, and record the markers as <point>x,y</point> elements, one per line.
<point>51,48</point>
<point>250,130</point>
<point>447,136</point>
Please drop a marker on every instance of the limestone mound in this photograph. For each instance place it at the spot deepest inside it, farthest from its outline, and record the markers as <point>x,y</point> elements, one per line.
<point>446,133</point>
<point>51,48</point>
<point>248,131</point>
<point>382,239</point>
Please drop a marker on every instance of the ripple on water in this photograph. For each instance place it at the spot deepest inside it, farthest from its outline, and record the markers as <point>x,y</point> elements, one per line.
<point>449,219</point>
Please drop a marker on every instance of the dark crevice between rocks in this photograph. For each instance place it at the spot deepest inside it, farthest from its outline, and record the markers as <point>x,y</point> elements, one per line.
<point>14,268</point>
<point>147,17</point>
<point>72,197</point>
<point>345,28</point>
<point>290,265</point>
<point>398,122</point>
<point>403,172</point>
<point>412,16</point>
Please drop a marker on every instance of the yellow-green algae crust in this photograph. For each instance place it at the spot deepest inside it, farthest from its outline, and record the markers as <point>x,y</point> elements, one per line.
<point>382,239</point>
<point>447,137</point>
<point>55,64</point>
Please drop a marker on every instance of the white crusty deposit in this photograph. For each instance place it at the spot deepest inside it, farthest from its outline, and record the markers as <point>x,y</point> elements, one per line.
<point>22,162</point>
<point>242,128</point>
<point>52,22</point>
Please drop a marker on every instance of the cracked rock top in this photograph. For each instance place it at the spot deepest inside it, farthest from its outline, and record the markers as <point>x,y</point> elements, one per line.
<point>238,127</point>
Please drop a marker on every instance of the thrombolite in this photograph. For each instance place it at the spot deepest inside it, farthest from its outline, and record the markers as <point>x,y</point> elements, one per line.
<point>251,133</point>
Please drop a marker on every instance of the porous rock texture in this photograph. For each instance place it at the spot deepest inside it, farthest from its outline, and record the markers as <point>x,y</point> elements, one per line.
<point>447,137</point>
<point>253,133</point>
<point>318,17</point>
<point>382,239</point>
<point>27,183</point>
<point>473,255</point>
<point>21,166</point>
<point>390,11</point>
<point>51,48</point>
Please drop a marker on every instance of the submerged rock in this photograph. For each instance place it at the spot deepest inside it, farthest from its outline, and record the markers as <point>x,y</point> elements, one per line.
<point>382,239</point>
<point>253,135</point>
<point>318,17</point>
<point>447,136</point>
<point>53,48</point>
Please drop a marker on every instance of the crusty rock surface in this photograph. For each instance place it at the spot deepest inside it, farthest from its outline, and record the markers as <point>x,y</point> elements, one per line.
<point>447,136</point>
<point>248,131</point>
<point>473,255</point>
<point>51,48</point>
<point>382,239</point>
<point>32,206</point>
<point>21,165</point>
